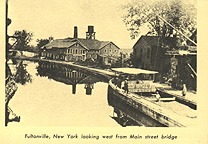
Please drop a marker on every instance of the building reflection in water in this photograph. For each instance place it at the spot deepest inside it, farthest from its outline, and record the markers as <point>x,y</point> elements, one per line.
<point>89,88</point>
<point>67,75</point>
<point>73,88</point>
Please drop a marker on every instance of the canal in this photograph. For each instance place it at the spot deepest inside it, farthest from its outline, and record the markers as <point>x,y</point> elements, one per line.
<point>51,94</point>
<point>56,95</point>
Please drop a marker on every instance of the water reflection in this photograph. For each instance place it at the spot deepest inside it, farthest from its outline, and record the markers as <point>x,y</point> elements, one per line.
<point>56,96</point>
<point>45,101</point>
<point>15,73</point>
<point>67,75</point>
<point>22,76</point>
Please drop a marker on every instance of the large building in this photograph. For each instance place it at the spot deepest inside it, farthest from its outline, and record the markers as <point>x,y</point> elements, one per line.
<point>149,51</point>
<point>174,63</point>
<point>80,49</point>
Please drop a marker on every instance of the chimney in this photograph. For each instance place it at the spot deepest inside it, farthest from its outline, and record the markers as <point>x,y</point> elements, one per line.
<point>75,32</point>
<point>90,34</point>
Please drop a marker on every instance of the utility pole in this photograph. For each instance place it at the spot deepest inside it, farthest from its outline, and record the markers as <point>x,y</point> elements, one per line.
<point>6,19</point>
<point>158,42</point>
<point>122,61</point>
<point>176,29</point>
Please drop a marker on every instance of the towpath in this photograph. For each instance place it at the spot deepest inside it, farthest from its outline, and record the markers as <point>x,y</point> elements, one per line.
<point>94,70</point>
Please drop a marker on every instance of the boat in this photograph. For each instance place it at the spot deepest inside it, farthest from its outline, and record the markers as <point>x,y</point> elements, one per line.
<point>141,96</point>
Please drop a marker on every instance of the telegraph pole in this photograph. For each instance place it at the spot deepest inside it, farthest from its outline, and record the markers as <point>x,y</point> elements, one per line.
<point>176,29</point>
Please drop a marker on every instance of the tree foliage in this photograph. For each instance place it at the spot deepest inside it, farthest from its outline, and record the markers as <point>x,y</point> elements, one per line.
<point>42,42</point>
<point>23,39</point>
<point>123,62</point>
<point>179,13</point>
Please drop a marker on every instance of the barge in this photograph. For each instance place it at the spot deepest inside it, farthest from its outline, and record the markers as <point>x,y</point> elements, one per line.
<point>141,96</point>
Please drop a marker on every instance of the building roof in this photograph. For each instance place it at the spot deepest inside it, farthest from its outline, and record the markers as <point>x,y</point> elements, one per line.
<point>93,44</point>
<point>87,43</point>
<point>180,52</point>
<point>59,43</point>
<point>153,40</point>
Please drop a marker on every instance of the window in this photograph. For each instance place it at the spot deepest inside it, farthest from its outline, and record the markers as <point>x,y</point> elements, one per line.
<point>105,51</point>
<point>76,51</point>
<point>115,50</point>
<point>83,57</point>
<point>83,51</point>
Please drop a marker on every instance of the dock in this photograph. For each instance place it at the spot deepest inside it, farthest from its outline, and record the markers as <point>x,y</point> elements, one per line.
<point>190,99</point>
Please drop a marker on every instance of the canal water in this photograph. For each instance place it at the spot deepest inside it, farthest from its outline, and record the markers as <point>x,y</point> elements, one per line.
<point>56,95</point>
<point>51,94</point>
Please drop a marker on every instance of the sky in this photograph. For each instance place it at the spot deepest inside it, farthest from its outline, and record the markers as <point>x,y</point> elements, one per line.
<point>57,18</point>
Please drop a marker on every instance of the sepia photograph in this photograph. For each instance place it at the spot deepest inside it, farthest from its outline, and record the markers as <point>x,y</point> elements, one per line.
<point>124,64</point>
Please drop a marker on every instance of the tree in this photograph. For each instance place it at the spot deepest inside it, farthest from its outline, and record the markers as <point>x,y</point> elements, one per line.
<point>122,61</point>
<point>42,42</point>
<point>179,13</point>
<point>23,39</point>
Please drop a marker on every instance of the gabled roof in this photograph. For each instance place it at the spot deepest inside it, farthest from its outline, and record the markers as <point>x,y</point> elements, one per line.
<point>93,44</point>
<point>153,40</point>
<point>59,43</point>
<point>86,43</point>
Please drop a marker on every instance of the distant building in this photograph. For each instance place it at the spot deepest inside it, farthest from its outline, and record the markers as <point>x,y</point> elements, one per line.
<point>77,49</point>
<point>126,53</point>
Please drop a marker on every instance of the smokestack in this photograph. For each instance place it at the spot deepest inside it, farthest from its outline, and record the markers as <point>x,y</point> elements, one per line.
<point>75,32</point>
<point>90,34</point>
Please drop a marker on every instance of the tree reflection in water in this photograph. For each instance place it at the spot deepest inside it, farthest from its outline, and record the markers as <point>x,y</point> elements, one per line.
<point>21,76</point>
